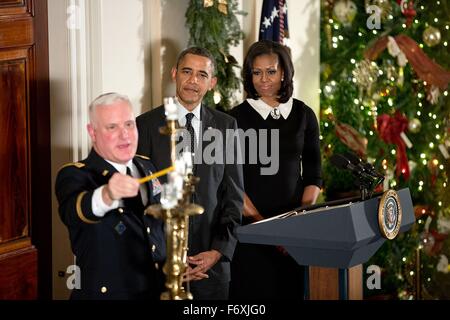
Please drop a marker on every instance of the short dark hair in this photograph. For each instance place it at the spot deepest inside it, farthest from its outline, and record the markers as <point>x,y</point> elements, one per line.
<point>198,51</point>
<point>264,47</point>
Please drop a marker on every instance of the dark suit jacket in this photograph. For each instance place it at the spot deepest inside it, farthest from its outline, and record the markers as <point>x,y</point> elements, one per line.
<point>220,190</point>
<point>118,254</point>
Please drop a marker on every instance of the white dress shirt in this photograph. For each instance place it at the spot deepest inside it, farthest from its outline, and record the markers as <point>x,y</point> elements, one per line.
<point>99,207</point>
<point>264,109</point>
<point>182,112</point>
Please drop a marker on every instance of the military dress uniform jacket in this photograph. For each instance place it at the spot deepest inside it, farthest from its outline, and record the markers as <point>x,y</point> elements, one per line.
<point>219,192</point>
<point>119,255</point>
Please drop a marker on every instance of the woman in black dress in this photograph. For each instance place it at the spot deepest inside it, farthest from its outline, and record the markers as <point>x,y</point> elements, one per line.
<point>260,271</point>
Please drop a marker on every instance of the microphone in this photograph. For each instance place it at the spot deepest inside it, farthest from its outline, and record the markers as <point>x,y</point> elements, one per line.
<point>367,167</point>
<point>366,181</point>
<point>342,162</point>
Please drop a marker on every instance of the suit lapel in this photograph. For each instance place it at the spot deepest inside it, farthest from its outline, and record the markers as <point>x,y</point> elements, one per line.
<point>207,122</point>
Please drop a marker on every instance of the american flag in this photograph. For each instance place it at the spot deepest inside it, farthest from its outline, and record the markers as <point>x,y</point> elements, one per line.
<point>274,21</point>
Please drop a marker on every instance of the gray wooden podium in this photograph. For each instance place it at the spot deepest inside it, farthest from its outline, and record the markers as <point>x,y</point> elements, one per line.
<point>332,236</point>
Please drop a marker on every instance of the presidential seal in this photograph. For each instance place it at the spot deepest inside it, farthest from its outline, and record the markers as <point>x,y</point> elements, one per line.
<point>389,214</point>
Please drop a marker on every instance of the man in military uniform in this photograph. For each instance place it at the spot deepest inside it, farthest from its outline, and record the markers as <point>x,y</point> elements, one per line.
<point>118,249</point>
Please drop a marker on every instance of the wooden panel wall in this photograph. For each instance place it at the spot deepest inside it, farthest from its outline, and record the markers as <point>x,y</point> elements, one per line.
<point>25,199</point>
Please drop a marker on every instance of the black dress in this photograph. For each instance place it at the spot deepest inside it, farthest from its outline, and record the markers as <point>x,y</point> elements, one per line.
<point>261,271</point>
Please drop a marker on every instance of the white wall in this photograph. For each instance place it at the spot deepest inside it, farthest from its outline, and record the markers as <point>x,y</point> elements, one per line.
<point>122,48</point>
<point>304,28</point>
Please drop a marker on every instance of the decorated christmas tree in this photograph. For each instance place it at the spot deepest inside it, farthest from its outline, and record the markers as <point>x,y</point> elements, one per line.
<point>384,96</point>
<point>213,24</point>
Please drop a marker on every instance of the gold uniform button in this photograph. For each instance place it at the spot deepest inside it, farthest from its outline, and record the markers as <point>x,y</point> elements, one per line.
<point>103,289</point>
<point>153,248</point>
<point>120,210</point>
<point>148,230</point>
<point>156,266</point>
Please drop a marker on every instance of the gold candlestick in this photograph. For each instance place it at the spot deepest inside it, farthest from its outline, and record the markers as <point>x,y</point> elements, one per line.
<point>176,217</point>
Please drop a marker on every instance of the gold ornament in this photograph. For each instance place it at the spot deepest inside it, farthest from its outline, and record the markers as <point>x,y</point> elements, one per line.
<point>208,3</point>
<point>431,36</point>
<point>365,74</point>
<point>414,125</point>
<point>326,70</point>
<point>345,11</point>
<point>390,70</point>
<point>223,6</point>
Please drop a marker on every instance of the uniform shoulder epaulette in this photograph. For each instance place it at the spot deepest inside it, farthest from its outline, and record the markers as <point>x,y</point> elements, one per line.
<point>142,157</point>
<point>79,165</point>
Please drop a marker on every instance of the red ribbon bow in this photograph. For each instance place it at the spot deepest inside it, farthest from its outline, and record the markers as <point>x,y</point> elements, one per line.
<point>389,129</point>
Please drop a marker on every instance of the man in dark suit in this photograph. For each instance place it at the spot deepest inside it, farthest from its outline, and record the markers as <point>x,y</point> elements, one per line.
<point>220,191</point>
<point>118,249</point>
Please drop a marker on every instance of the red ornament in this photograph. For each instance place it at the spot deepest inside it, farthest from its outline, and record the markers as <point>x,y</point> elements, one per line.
<point>407,7</point>
<point>389,130</point>
<point>422,210</point>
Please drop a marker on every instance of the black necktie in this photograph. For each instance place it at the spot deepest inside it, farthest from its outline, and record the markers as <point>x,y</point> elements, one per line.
<point>134,203</point>
<point>190,129</point>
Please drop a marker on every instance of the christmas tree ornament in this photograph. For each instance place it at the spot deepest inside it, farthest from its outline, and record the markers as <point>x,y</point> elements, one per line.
<point>412,165</point>
<point>434,170</point>
<point>433,94</point>
<point>426,241</point>
<point>414,125</point>
<point>442,265</point>
<point>401,77</point>
<point>325,70</point>
<point>345,11</point>
<point>208,3</point>
<point>431,36</point>
<point>443,225</point>
<point>422,210</point>
<point>438,243</point>
<point>223,7</point>
<point>365,73</point>
<point>407,8</point>
<point>444,151</point>
<point>390,71</point>
<point>329,89</point>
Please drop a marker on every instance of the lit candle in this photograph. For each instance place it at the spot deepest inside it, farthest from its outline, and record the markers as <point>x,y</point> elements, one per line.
<point>170,108</point>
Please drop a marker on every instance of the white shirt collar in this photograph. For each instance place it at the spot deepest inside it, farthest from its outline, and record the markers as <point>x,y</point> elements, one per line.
<point>182,112</point>
<point>264,109</point>
<point>122,168</point>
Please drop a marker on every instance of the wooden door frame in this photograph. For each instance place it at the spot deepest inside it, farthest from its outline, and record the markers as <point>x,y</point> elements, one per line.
<point>41,188</point>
